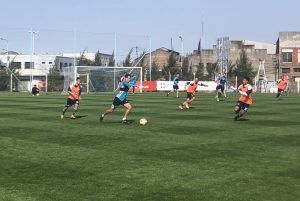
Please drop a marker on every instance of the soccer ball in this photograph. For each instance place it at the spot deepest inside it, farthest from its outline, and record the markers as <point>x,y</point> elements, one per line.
<point>143,121</point>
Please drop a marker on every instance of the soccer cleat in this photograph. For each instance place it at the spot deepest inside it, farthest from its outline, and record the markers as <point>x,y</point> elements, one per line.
<point>218,99</point>
<point>126,122</point>
<point>62,116</point>
<point>72,117</point>
<point>167,94</point>
<point>180,107</point>
<point>101,117</point>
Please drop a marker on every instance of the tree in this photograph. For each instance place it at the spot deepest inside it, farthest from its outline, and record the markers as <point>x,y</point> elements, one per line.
<point>4,78</point>
<point>200,71</point>
<point>231,71</point>
<point>83,61</point>
<point>243,67</point>
<point>211,70</point>
<point>127,61</point>
<point>111,61</point>
<point>170,68</point>
<point>55,79</point>
<point>187,73</point>
<point>156,73</point>
<point>98,61</point>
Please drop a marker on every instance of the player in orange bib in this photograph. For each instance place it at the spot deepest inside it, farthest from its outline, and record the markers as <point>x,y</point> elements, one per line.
<point>282,85</point>
<point>73,98</point>
<point>245,99</point>
<point>190,93</point>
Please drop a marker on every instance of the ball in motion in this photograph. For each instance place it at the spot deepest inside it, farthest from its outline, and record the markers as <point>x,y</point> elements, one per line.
<point>143,121</point>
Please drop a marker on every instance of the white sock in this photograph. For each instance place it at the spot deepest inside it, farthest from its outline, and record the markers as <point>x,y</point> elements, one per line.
<point>124,119</point>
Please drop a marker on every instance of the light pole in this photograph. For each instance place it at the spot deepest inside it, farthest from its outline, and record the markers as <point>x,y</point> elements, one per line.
<point>32,33</point>
<point>181,39</point>
<point>7,62</point>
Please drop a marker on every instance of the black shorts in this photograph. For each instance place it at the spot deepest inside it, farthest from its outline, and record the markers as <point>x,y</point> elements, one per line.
<point>243,106</point>
<point>220,87</point>
<point>118,102</point>
<point>189,96</point>
<point>175,87</point>
<point>280,90</point>
<point>71,102</point>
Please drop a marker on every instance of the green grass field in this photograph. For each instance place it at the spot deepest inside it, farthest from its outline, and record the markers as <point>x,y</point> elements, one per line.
<point>200,154</point>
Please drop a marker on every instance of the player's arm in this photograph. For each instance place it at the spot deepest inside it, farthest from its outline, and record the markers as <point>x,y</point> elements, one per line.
<point>79,97</point>
<point>249,91</point>
<point>131,83</point>
<point>205,85</point>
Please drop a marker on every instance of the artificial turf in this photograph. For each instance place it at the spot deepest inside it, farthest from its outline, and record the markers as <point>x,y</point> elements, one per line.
<point>195,154</point>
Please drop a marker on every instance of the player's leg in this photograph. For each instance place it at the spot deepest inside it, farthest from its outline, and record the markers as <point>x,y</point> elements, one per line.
<point>68,104</point>
<point>278,93</point>
<point>237,109</point>
<point>170,92</point>
<point>188,100</point>
<point>76,105</point>
<point>224,92</point>
<point>177,91</point>
<point>243,110</point>
<point>128,108</point>
<point>114,106</point>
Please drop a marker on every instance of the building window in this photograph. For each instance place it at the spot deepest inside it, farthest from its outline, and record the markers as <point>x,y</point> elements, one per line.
<point>27,65</point>
<point>70,64</point>
<point>43,62</point>
<point>16,65</point>
<point>50,62</point>
<point>296,70</point>
<point>66,64</point>
<point>287,56</point>
<point>286,70</point>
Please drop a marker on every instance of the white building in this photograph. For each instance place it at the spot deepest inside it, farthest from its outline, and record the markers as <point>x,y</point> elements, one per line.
<point>41,64</point>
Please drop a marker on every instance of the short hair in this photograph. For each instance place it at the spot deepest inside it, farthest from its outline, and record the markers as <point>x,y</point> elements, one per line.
<point>247,78</point>
<point>77,78</point>
<point>127,75</point>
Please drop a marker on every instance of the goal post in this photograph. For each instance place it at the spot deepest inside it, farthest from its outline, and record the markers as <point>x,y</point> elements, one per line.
<point>100,78</point>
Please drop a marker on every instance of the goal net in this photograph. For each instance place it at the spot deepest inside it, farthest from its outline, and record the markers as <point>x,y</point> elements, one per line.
<point>100,78</point>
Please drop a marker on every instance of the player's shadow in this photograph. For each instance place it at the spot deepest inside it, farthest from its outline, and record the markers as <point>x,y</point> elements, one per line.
<point>242,120</point>
<point>81,116</point>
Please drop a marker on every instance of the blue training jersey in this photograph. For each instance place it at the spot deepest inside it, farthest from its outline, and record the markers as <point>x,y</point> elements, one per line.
<point>223,80</point>
<point>124,87</point>
<point>175,80</point>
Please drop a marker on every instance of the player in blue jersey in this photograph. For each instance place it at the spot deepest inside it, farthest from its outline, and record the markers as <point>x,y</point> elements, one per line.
<point>221,82</point>
<point>175,85</point>
<point>120,98</point>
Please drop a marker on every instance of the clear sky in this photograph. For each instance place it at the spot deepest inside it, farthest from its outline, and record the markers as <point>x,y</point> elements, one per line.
<point>96,21</point>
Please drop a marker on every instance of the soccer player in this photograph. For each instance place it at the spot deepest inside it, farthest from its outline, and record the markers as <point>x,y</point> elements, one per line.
<point>35,91</point>
<point>281,84</point>
<point>242,106</point>
<point>286,90</point>
<point>175,85</point>
<point>190,93</point>
<point>73,98</point>
<point>221,82</point>
<point>120,98</point>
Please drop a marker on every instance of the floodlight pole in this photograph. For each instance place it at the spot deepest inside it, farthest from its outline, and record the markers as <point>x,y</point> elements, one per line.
<point>181,39</point>
<point>32,34</point>
<point>115,58</point>
<point>150,59</point>
<point>74,51</point>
